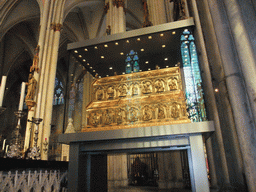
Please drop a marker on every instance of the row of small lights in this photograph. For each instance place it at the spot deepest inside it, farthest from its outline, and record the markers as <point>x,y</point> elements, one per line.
<point>116,43</point>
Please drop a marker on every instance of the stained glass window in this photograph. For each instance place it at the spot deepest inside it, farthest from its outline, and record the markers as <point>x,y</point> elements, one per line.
<point>58,97</point>
<point>132,62</point>
<point>193,81</point>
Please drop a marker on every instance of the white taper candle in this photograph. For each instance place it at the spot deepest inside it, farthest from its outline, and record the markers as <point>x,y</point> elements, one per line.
<point>22,95</point>
<point>3,144</point>
<point>2,90</point>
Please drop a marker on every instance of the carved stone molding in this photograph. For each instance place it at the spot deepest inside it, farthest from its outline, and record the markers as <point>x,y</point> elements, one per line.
<point>118,3</point>
<point>56,26</point>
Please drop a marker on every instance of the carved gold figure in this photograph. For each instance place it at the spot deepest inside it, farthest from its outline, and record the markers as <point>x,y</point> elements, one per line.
<point>31,90</point>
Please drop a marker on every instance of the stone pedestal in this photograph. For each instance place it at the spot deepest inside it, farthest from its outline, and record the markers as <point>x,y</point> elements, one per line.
<point>170,170</point>
<point>117,171</point>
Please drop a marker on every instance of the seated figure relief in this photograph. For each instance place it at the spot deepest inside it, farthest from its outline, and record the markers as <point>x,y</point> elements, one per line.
<point>110,92</point>
<point>147,113</point>
<point>94,119</point>
<point>173,84</point>
<point>159,86</point>
<point>99,94</point>
<point>147,87</point>
<point>135,89</point>
<point>107,117</point>
<point>175,113</point>
<point>122,91</point>
<point>120,117</point>
<point>161,113</point>
<point>133,114</point>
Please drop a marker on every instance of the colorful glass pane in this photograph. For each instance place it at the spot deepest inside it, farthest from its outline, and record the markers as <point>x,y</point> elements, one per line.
<point>193,81</point>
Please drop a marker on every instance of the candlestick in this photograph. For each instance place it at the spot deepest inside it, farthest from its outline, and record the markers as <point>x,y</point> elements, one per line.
<point>2,90</point>
<point>6,150</point>
<point>4,144</point>
<point>22,95</point>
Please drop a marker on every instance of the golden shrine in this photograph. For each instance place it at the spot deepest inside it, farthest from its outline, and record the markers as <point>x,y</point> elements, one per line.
<point>142,99</point>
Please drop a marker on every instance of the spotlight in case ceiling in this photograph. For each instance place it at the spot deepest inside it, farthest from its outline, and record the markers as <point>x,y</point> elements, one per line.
<point>71,74</point>
<point>165,59</point>
<point>95,47</point>
<point>146,62</point>
<point>88,63</point>
<point>186,30</point>
<point>123,73</point>
<point>138,39</point>
<point>173,32</point>
<point>167,66</point>
<point>142,50</point>
<point>90,67</point>
<point>76,51</point>
<point>93,70</point>
<point>86,49</point>
<point>84,60</point>
<point>140,70</point>
<point>99,76</point>
<point>149,69</point>
<point>105,45</point>
<point>80,56</point>
<point>121,53</point>
<point>102,57</point>
<point>216,90</point>
<point>149,37</point>
<point>110,68</point>
<point>127,41</point>
<point>116,43</point>
<point>107,75</point>
<point>161,34</point>
<point>163,46</point>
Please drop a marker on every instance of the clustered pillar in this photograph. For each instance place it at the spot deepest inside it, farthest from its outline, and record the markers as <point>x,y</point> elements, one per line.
<point>115,12</point>
<point>48,54</point>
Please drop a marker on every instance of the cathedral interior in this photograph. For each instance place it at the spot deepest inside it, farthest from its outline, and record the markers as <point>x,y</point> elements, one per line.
<point>134,94</point>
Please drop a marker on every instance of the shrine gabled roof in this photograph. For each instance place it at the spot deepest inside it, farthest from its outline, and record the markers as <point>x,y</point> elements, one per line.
<point>156,45</point>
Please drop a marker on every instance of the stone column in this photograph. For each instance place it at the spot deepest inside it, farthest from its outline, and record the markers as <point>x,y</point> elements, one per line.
<point>47,115</point>
<point>46,18</point>
<point>209,94</point>
<point>245,125</point>
<point>197,165</point>
<point>157,11</point>
<point>244,50</point>
<point>219,32</point>
<point>47,69</point>
<point>115,11</point>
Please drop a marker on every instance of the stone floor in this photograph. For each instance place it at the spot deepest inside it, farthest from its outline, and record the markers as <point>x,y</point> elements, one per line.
<point>145,189</point>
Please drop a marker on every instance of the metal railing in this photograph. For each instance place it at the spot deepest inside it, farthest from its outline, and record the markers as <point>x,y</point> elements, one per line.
<point>29,181</point>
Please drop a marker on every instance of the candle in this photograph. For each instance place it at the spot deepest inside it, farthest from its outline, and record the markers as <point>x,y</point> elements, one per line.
<point>22,95</point>
<point>2,90</point>
<point>6,148</point>
<point>3,144</point>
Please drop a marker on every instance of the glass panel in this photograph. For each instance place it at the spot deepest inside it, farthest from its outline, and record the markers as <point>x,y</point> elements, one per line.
<point>193,81</point>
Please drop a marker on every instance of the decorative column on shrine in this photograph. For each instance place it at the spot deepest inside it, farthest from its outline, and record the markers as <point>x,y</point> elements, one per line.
<point>115,12</point>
